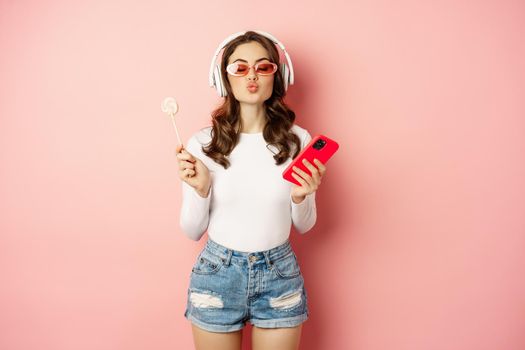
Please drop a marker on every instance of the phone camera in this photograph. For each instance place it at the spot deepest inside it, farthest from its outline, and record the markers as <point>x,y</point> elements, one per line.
<point>319,144</point>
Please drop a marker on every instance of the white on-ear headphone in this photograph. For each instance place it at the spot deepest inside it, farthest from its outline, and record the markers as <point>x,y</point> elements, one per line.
<point>215,76</point>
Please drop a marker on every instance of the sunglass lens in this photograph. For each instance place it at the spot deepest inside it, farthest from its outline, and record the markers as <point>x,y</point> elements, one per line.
<point>239,69</point>
<point>265,68</point>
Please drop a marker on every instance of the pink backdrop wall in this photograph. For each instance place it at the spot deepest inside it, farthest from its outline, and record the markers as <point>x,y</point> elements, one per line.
<point>420,234</point>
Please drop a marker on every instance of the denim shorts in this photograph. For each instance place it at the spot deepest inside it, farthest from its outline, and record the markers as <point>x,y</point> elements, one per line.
<point>229,287</point>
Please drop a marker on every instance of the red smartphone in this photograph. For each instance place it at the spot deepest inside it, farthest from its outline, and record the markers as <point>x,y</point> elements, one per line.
<point>320,147</point>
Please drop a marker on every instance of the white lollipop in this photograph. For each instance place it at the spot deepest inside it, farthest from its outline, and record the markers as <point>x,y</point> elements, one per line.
<point>170,107</point>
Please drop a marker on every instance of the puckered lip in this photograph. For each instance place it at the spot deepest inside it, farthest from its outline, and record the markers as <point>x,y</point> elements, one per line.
<point>252,85</point>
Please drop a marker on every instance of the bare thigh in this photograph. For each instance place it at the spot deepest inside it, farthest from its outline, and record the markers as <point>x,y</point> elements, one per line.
<point>276,338</point>
<point>205,340</point>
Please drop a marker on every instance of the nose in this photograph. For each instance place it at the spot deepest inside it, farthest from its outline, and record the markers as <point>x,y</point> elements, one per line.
<point>251,73</point>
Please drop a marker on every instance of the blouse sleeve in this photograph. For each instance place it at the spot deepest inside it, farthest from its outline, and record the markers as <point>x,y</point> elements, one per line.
<point>195,210</point>
<point>304,214</point>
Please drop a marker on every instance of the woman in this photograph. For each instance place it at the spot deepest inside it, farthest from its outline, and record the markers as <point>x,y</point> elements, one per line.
<point>233,188</point>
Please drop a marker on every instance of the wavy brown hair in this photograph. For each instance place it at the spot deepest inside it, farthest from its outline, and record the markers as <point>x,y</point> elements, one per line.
<point>227,122</point>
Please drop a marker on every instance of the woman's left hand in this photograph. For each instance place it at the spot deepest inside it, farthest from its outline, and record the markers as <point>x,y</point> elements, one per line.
<point>309,183</point>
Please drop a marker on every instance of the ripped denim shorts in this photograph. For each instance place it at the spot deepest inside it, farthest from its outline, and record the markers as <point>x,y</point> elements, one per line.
<point>229,287</point>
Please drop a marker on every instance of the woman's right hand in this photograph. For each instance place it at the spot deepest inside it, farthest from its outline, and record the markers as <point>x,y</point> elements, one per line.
<point>193,171</point>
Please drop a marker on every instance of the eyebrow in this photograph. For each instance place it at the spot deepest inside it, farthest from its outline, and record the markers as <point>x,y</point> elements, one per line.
<point>260,59</point>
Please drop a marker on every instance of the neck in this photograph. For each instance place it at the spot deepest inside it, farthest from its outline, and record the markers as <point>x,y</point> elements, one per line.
<point>253,117</point>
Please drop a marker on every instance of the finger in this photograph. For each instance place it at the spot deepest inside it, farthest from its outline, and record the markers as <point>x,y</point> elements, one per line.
<point>185,155</point>
<point>311,184</point>
<point>320,165</point>
<point>188,172</point>
<point>185,164</point>
<point>178,148</point>
<point>303,174</point>
<point>313,170</point>
<point>300,180</point>
<point>183,172</point>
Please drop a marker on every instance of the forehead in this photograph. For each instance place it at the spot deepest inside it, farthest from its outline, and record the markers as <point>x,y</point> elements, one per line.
<point>249,51</point>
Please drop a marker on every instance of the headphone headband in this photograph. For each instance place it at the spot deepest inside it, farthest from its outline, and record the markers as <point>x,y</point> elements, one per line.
<point>211,79</point>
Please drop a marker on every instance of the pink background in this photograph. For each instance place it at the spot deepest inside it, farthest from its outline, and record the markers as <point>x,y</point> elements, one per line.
<point>420,234</point>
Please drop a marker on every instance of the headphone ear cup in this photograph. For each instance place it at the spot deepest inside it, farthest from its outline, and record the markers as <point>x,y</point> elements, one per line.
<point>219,86</point>
<point>285,72</point>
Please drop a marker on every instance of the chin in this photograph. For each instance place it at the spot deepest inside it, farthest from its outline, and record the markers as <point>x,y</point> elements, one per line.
<point>251,99</point>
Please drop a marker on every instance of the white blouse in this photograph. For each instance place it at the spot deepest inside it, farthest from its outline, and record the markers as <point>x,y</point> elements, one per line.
<point>249,206</point>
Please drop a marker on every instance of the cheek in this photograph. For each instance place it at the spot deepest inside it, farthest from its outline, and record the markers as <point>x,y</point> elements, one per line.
<point>233,83</point>
<point>236,86</point>
<point>268,86</point>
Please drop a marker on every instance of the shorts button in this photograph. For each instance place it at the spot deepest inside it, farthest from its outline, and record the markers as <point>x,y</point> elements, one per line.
<point>253,258</point>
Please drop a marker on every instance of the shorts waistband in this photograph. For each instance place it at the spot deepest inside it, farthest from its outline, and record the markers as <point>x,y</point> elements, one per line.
<point>269,255</point>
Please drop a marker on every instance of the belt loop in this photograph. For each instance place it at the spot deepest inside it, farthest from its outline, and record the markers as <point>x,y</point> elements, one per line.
<point>228,257</point>
<point>268,261</point>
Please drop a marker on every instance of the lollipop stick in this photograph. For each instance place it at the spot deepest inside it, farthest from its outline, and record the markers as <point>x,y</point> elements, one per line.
<point>176,130</point>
